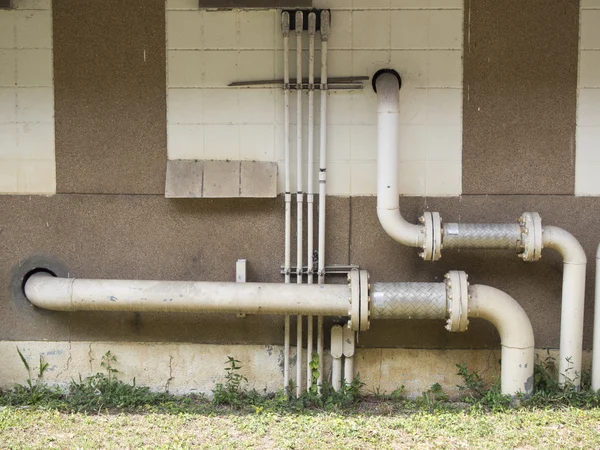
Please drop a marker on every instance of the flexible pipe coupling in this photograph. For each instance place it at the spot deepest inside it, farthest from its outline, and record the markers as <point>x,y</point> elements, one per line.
<point>448,300</point>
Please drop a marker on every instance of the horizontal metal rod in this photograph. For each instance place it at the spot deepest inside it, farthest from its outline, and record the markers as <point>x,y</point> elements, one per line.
<point>330,81</point>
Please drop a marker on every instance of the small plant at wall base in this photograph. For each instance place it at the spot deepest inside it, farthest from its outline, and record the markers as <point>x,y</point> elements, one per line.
<point>107,362</point>
<point>230,392</point>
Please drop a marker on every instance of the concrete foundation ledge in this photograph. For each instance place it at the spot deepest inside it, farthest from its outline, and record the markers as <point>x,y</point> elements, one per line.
<point>196,368</point>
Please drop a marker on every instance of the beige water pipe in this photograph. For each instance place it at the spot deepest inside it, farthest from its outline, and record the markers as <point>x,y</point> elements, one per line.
<point>527,237</point>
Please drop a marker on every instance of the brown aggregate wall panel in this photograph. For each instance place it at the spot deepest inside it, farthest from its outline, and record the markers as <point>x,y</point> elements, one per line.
<point>520,93</point>
<point>148,237</point>
<point>110,96</point>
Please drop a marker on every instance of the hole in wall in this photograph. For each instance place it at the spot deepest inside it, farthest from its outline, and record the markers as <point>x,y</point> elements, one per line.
<point>33,272</point>
<point>22,272</point>
<point>381,72</point>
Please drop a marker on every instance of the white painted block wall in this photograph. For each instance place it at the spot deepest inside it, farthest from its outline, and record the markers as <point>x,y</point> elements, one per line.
<point>587,168</point>
<point>27,163</point>
<point>422,39</point>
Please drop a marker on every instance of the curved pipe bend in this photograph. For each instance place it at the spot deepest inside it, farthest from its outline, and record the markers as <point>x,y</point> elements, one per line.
<point>516,336</point>
<point>388,209</point>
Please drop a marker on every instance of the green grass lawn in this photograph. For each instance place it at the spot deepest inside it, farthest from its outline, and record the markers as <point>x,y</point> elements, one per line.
<point>374,424</point>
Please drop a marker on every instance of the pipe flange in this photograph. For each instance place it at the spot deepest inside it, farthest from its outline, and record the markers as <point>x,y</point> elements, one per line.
<point>531,236</point>
<point>457,300</point>
<point>365,302</point>
<point>432,246</point>
<point>354,312</point>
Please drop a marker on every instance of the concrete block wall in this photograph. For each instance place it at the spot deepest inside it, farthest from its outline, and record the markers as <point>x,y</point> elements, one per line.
<point>208,49</point>
<point>587,181</point>
<point>27,163</point>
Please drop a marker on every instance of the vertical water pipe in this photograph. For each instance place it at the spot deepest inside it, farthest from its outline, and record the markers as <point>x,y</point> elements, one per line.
<point>312,29</point>
<point>388,124</point>
<point>299,193</point>
<point>285,28</point>
<point>573,302</point>
<point>325,22</point>
<point>596,343</point>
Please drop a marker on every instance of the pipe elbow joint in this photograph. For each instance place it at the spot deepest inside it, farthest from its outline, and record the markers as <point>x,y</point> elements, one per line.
<point>399,229</point>
<point>565,243</point>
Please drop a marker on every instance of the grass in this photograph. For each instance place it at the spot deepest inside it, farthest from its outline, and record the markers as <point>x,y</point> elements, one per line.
<point>372,424</point>
<point>104,412</point>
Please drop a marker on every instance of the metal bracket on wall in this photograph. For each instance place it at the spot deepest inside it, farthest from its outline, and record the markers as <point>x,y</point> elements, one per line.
<point>334,269</point>
<point>305,13</point>
<point>335,83</point>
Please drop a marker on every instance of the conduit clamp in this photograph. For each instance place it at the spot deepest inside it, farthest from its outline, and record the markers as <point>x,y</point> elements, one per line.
<point>531,236</point>
<point>432,245</point>
<point>457,300</point>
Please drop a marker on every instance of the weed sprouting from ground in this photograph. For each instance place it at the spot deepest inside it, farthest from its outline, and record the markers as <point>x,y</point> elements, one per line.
<point>231,392</point>
<point>104,391</point>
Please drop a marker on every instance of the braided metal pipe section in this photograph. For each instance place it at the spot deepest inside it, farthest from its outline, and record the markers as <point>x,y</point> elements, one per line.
<point>484,235</point>
<point>408,301</point>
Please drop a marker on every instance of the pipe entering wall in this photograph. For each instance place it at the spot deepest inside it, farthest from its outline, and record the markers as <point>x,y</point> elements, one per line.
<point>388,120</point>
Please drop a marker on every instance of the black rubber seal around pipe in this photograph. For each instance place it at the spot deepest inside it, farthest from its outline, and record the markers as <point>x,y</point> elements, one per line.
<point>381,72</point>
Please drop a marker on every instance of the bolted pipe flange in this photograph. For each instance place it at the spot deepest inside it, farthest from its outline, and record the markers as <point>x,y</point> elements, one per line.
<point>457,300</point>
<point>364,300</point>
<point>531,236</point>
<point>355,292</point>
<point>432,246</point>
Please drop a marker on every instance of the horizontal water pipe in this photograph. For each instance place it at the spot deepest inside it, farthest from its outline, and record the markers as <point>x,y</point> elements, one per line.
<point>71,294</point>
<point>449,300</point>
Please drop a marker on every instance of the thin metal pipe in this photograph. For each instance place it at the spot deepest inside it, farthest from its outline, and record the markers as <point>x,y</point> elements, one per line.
<point>312,25</point>
<point>299,193</point>
<point>325,24</point>
<point>336,355</point>
<point>285,28</point>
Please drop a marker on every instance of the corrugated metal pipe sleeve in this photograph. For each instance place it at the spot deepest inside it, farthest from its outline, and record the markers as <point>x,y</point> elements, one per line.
<point>452,300</point>
<point>527,237</point>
